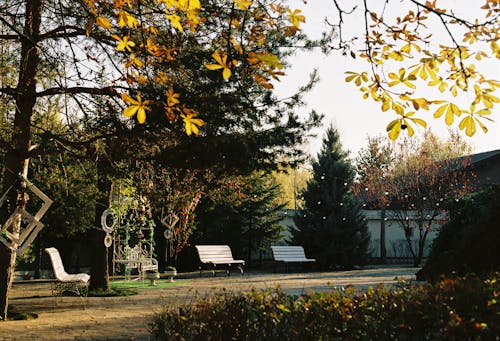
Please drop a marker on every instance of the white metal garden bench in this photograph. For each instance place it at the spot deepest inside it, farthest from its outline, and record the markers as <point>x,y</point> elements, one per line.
<point>213,255</point>
<point>76,283</point>
<point>290,254</point>
<point>138,258</point>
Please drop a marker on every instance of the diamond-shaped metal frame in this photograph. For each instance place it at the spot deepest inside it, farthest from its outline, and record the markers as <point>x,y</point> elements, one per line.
<point>28,234</point>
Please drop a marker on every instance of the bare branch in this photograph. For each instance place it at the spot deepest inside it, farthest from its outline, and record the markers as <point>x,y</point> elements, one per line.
<point>106,91</point>
<point>8,91</point>
<point>13,28</point>
<point>9,37</point>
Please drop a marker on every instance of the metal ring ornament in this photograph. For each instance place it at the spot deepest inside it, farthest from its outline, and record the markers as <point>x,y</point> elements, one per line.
<point>104,220</point>
<point>108,240</point>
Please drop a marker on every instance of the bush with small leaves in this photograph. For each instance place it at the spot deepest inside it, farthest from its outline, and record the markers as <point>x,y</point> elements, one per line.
<point>463,308</point>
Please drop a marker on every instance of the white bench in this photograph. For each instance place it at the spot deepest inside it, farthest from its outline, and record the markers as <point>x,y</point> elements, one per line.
<point>137,258</point>
<point>77,283</point>
<point>290,254</point>
<point>213,255</point>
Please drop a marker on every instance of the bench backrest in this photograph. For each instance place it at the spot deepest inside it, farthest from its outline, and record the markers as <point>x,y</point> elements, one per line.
<point>57,264</point>
<point>210,253</point>
<point>283,253</point>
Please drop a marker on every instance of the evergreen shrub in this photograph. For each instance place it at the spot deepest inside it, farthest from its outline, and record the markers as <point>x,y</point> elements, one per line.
<point>469,242</point>
<point>451,309</point>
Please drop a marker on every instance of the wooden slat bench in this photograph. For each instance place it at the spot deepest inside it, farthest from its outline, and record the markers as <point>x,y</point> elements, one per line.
<point>290,254</point>
<point>213,255</point>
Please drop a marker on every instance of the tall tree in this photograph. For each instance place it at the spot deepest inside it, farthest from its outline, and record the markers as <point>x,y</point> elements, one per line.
<point>373,166</point>
<point>83,40</point>
<point>70,182</point>
<point>174,195</point>
<point>427,175</point>
<point>331,227</point>
<point>292,181</point>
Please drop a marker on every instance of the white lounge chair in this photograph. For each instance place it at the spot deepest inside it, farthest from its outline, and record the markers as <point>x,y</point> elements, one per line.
<point>76,283</point>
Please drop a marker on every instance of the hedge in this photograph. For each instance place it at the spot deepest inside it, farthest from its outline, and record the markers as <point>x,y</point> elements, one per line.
<point>451,309</point>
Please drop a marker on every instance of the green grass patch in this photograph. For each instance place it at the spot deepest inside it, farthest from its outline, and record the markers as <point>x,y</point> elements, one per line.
<point>145,284</point>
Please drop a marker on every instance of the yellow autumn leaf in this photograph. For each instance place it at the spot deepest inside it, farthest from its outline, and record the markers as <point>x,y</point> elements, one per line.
<point>295,17</point>
<point>172,98</point>
<point>137,106</point>
<point>483,127</point>
<point>476,116</point>
<point>439,82</point>
<point>175,21</point>
<point>136,61</point>
<point>221,64</point>
<point>408,127</point>
<point>485,96</point>
<point>468,125</point>
<point>123,43</point>
<point>263,81</point>
<point>126,19</point>
<point>406,48</point>
<point>419,121</point>
<point>351,76</point>
<point>398,108</point>
<point>395,79</point>
<point>386,105</point>
<point>270,60</point>
<point>103,22</point>
<point>420,103</point>
<point>396,55</point>
<point>243,4</point>
<point>394,129</point>
<point>191,123</point>
<point>449,110</point>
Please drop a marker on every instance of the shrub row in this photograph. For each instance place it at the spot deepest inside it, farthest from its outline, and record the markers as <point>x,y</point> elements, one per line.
<point>451,309</point>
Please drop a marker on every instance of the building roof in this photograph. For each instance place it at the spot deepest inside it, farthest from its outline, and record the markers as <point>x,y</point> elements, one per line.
<point>475,158</point>
<point>479,157</point>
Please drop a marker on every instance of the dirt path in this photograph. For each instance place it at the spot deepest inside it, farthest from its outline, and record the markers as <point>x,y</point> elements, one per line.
<point>127,318</point>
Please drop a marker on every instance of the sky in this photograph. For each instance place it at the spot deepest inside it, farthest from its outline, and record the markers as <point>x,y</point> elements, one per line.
<point>341,103</point>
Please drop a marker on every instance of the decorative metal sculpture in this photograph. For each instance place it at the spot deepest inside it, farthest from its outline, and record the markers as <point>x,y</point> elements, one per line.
<point>131,234</point>
<point>106,225</point>
<point>20,240</point>
<point>173,219</point>
<point>108,240</point>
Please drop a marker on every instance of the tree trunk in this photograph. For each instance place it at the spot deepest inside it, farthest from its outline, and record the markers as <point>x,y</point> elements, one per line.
<point>408,231</point>
<point>17,161</point>
<point>421,247</point>
<point>99,272</point>
<point>160,245</point>
<point>383,252</point>
<point>38,257</point>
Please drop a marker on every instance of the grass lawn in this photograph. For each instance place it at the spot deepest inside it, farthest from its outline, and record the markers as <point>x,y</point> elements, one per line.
<point>145,284</point>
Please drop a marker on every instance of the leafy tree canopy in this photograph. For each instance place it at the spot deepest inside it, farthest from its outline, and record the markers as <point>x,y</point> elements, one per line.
<point>403,46</point>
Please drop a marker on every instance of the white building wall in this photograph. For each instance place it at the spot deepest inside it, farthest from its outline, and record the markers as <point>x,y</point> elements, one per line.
<point>396,245</point>
<point>395,241</point>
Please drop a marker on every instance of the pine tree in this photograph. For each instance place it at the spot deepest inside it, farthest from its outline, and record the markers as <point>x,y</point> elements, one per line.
<point>331,227</point>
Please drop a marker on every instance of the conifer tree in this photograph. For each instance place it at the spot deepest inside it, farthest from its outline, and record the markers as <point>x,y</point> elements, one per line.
<point>331,227</point>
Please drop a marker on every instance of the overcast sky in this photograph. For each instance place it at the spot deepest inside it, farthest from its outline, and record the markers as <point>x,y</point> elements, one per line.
<point>341,102</point>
